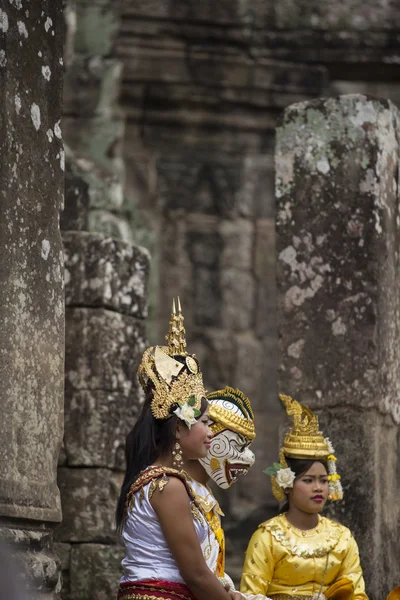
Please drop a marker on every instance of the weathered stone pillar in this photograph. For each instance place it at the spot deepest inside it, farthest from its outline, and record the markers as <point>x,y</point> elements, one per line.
<point>106,293</point>
<point>338,239</point>
<point>31,284</point>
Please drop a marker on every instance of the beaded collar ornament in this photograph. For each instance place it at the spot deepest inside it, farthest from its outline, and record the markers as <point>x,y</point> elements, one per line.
<point>177,389</point>
<point>303,441</point>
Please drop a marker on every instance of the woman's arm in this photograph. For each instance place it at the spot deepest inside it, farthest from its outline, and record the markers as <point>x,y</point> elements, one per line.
<point>351,569</point>
<point>258,565</point>
<point>172,506</point>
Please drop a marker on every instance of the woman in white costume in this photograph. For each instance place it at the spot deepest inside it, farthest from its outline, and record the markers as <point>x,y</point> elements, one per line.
<point>171,539</point>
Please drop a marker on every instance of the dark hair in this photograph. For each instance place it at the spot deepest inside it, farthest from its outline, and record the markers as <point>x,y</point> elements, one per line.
<point>149,439</point>
<point>299,466</point>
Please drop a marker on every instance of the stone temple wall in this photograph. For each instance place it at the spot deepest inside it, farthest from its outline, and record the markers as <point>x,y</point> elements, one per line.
<point>204,86</point>
<point>106,282</point>
<point>170,112</point>
<point>201,111</point>
<point>106,277</point>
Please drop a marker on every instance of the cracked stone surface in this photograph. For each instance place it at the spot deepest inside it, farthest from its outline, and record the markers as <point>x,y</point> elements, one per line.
<point>104,272</point>
<point>31,290</point>
<point>338,234</point>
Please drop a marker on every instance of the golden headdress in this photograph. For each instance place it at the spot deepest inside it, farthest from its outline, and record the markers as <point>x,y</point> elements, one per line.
<point>164,367</point>
<point>304,441</point>
<point>223,418</point>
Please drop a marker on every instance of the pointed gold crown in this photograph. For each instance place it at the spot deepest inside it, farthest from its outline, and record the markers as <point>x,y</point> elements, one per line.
<point>304,440</point>
<point>223,418</point>
<point>176,337</point>
<point>174,374</point>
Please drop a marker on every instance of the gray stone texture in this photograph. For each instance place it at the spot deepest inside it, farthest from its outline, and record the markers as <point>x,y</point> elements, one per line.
<point>31,291</point>
<point>28,549</point>
<point>204,84</point>
<point>104,272</point>
<point>106,287</point>
<point>338,233</point>
<point>90,570</point>
<point>78,196</point>
<point>103,350</point>
<point>106,291</point>
<point>32,268</point>
<point>89,500</point>
<point>94,124</point>
<point>91,192</point>
<point>96,569</point>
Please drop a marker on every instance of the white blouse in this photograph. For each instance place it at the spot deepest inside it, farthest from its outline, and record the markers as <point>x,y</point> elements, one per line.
<point>147,553</point>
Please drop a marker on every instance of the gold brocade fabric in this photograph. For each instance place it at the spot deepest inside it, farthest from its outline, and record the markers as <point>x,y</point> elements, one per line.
<point>212,511</point>
<point>154,590</point>
<point>281,559</point>
<point>215,525</point>
<point>286,597</point>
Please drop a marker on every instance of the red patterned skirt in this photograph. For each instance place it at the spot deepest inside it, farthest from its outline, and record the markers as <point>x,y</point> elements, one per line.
<point>154,589</point>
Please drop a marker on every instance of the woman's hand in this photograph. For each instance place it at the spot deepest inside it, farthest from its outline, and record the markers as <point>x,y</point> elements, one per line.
<point>234,594</point>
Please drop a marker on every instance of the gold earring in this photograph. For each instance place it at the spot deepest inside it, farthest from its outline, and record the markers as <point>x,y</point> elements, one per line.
<point>177,461</point>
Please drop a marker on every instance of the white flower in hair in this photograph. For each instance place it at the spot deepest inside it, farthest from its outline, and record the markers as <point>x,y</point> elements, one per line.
<point>186,413</point>
<point>285,478</point>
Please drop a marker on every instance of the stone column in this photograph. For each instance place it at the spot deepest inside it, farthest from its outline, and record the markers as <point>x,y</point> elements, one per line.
<point>338,239</point>
<point>106,293</point>
<point>31,285</point>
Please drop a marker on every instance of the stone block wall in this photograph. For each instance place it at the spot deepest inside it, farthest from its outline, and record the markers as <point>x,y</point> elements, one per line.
<point>106,283</point>
<point>93,123</point>
<point>106,289</point>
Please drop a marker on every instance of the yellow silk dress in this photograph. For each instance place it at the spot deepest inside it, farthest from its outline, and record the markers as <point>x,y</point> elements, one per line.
<point>284,562</point>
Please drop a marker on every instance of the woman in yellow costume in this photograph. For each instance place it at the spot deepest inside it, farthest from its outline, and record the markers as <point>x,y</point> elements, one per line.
<point>301,555</point>
<point>171,538</point>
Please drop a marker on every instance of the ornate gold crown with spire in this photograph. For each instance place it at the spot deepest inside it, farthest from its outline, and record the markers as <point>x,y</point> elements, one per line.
<point>174,374</point>
<point>304,441</point>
